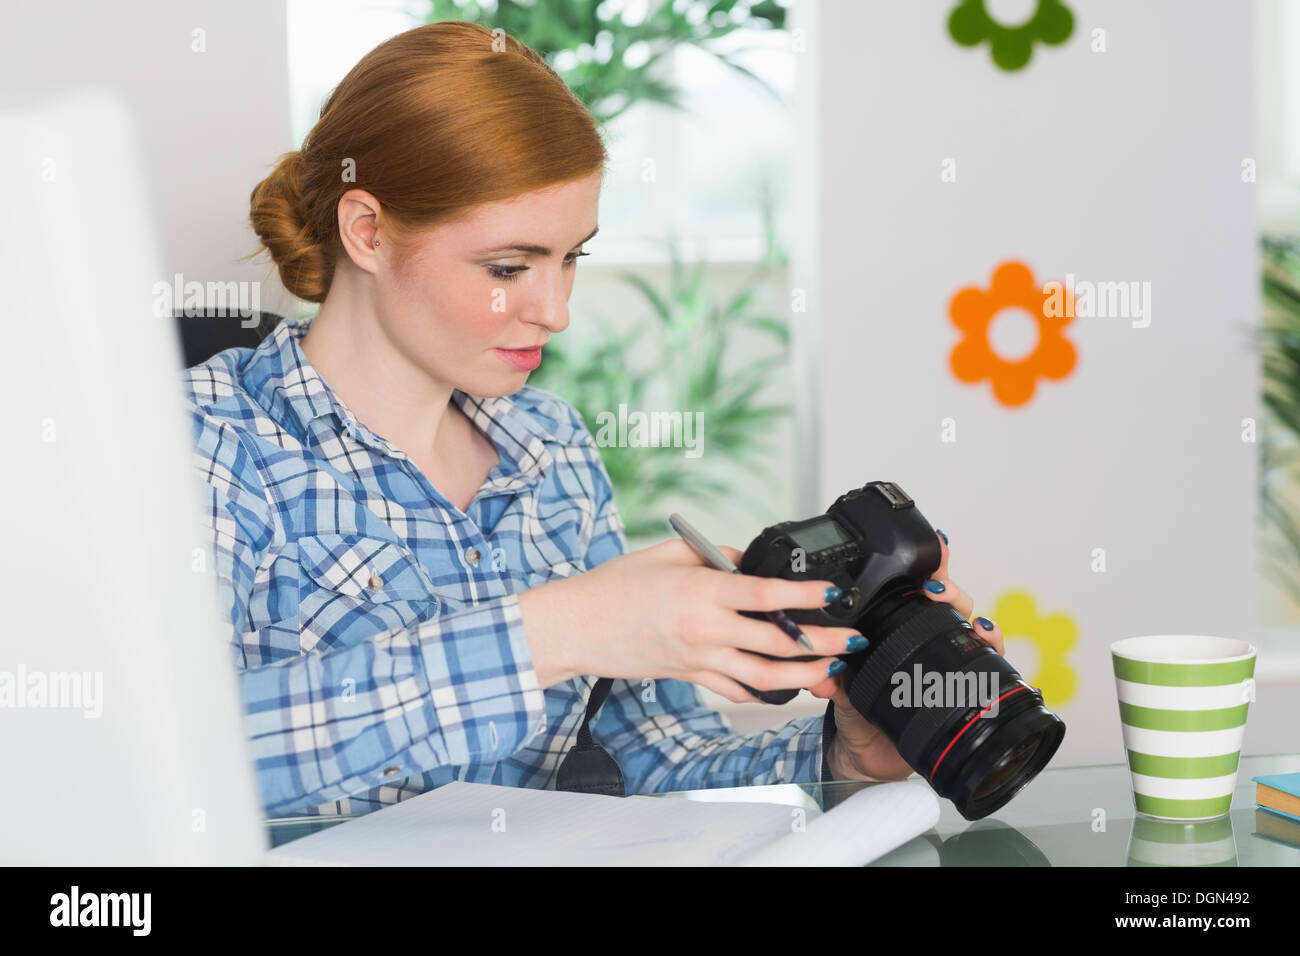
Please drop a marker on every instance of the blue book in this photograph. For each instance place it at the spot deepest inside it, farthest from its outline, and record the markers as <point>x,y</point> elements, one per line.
<point>1280,793</point>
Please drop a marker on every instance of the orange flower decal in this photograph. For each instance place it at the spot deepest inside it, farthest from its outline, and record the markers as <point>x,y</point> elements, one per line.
<point>973,310</point>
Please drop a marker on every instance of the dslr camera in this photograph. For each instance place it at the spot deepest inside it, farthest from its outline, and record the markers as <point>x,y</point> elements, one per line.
<point>959,714</point>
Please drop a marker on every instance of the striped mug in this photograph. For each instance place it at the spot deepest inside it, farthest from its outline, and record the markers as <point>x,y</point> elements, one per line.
<point>1182,705</point>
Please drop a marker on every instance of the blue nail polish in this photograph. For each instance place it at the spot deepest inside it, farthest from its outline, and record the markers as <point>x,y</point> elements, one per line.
<point>944,536</point>
<point>835,668</point>
<point>934,587</point>
<point>833,594</point>
<point>857,643</point>
<point>985,623</point>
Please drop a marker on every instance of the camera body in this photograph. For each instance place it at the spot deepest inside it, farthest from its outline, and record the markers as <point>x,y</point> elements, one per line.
<point>870,540</point>
<point>957,711</point>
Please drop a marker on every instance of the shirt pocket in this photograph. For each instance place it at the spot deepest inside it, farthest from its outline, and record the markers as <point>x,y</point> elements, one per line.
<point>354,586</point>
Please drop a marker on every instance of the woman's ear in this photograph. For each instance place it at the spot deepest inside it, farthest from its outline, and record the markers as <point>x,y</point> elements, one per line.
<point>358,214</point>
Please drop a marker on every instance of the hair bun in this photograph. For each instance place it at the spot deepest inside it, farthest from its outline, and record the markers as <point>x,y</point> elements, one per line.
<point>282,222</point>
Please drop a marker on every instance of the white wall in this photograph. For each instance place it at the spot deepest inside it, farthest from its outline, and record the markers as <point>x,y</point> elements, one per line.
<point>210,121</point>
<point>1115,165</point>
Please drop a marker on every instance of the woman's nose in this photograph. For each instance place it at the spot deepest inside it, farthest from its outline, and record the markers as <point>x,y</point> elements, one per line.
<point>550,306</point>
<point>554,317</point>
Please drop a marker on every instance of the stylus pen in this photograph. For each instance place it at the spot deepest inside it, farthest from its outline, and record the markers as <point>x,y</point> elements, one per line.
<point>707,550</point>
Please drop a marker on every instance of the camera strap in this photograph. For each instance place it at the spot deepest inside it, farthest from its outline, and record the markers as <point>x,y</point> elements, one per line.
<point>828,735</point>
<point>588,767</point>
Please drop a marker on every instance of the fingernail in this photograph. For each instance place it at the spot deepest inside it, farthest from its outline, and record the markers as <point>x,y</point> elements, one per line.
<point>835,668</point>
<point>985,623</point>
<point>942,535</point>
<point>833,594</point>
<point>857,643</point>
<point>934,587</point>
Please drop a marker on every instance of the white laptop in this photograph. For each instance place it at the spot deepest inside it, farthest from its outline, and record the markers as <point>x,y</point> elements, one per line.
<point>120,724</point>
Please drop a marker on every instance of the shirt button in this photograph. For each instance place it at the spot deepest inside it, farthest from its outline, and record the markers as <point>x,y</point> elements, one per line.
<point>389,771</point>
<point>375,582</point>
<point>472,555</point>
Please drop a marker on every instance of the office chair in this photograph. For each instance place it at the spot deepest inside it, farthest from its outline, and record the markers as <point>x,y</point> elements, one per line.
<point>204,335</point>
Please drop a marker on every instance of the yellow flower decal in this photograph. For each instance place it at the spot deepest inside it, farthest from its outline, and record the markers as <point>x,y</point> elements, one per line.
<point>1052,634</point>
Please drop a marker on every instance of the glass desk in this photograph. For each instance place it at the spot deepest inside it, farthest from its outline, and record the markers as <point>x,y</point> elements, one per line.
<point>1072,816</point>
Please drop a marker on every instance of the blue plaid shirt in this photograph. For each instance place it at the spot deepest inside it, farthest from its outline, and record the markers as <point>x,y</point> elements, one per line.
<point>376,628</point>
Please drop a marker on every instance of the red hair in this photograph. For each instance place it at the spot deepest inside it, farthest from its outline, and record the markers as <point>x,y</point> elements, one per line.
<point>432,122</point>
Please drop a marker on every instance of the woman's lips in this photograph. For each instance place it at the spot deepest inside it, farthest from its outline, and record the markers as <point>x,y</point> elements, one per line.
<point>525,360</point>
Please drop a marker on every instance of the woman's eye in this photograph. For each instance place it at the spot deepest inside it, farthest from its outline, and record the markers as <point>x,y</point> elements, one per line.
<point>507,273</point>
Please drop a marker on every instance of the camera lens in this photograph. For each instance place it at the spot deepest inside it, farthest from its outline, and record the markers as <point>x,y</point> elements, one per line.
<point>957,711</point>
<point>1007,766</point>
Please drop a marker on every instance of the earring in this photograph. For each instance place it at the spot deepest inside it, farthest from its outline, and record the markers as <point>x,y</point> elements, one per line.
<point>376,242</point>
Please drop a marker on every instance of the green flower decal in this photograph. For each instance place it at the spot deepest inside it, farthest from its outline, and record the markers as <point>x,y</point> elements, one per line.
<point>969,24</point>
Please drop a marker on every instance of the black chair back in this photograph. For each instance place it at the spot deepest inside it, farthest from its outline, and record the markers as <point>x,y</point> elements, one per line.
<point>206,334</point>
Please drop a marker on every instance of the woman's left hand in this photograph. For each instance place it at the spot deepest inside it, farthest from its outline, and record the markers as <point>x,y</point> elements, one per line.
<point>861,752</point>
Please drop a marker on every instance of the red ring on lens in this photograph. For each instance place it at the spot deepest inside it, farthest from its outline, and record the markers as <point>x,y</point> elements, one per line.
<point>935,768</point>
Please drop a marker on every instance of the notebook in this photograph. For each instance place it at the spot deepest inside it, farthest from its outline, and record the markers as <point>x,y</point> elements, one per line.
<point>467,824</point>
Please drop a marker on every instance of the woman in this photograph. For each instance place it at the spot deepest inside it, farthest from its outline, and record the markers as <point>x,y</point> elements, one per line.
<point>420,554</point>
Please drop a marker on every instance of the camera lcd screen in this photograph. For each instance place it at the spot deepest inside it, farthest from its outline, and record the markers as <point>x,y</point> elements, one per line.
<point>815,537</point>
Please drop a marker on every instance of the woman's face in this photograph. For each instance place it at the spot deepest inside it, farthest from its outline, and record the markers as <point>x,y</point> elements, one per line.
<point>498,281</point>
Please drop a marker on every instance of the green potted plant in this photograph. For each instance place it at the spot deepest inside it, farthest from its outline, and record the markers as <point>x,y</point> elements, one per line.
<point>1279,342</point>
<point>614,64</point>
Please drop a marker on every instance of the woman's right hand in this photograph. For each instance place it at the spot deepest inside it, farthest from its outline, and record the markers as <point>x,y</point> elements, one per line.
<point>660,612</point>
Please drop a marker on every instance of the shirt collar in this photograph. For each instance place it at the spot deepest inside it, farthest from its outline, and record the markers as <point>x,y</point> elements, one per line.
<point>284,382</point>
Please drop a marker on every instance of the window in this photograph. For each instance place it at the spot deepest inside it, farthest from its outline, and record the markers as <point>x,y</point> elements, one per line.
<point>697,173</point>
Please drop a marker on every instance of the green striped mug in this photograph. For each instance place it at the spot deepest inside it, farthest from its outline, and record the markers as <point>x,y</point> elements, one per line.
<point>1182,704</point>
